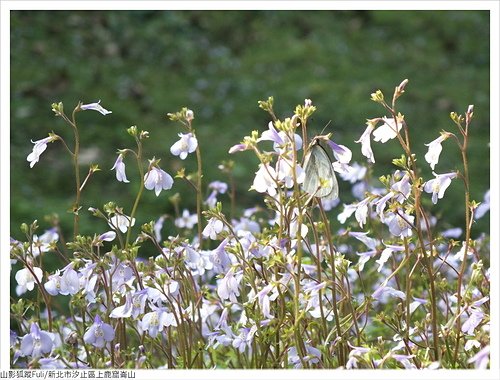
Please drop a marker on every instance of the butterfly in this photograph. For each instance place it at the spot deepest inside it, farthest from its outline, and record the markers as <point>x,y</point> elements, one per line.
<point>320,180</point>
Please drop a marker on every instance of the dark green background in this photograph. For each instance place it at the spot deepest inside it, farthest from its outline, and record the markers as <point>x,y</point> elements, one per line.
<point>143,64</point>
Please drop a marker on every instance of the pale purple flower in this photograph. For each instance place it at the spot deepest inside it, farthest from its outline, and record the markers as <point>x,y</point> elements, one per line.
<point>228,287</point>
<point>381,203</point>
<point>435,148</point>
<point>348,211</point>
<point>313,356</point>
<point>238,148</point>
<point>68,283</point>
<point>452,233</point>
<point>481,359</point>
<point>341,153</point>
<point>37,342</point>
<point>475,318</point>
<point>387,253</point>
<point>384,290</point>
<point>245,338</point>
<point>99,333</point>
<point>38,149</point>
<point>121,222</point>
<point>158,180</point>
<point>365,141</point>
<point>95,107</point>
<point>155,321</point>
<point>388,130</point>
<point>398,225</point>
<point>438,185</point>
<point>198,261</point>
<point>187,144</point>
<point>364,257</point>
<point>354,354</point>
<point>43,242</point>
<point>26,280</point>
<point>356,173</point>
<point>264,181</point>
<point>404,360</point>
<point>361,212</point>
<point>120,169</point>
<point>158,227</point>
<point>402,188</point>
<point>187,220</point>
<point>484,207</point>
<point>133,307</point>
<point>284,170</point>
<point>213,228</point>
<point>281,141</point>
<point>217,187</point>
<point>220,259</point>
<point>107,236</point>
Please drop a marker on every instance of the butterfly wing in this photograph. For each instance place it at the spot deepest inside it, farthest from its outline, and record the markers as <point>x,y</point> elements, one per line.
<point>320,179</point>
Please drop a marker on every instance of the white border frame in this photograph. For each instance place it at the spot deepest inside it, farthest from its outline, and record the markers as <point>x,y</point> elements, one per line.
<point>491,5</point>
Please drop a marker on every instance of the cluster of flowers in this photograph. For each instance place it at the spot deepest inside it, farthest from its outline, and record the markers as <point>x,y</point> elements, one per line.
<point>274,291</point>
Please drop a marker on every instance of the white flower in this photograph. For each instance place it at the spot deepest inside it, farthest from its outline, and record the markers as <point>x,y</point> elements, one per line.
<point>120,169</point>
<point>388,130</point>
<point>26,280</point>
<point>435,148</point>
<point>121,222</point>
<point>186,220</point>
<point>264,181</point>
<point>96,107</point>
<point>365,141</point>
<point>228,287</point>
<point>38,149</point>
<point>438,185</point>
<point>213,228</point>
<point>158,180</point>
<point>187,144</point>
<point>399,226</point>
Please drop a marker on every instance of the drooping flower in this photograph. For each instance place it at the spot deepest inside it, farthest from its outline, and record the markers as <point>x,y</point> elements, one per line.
<point>388,130</point>
<point>228,287</point>
<point>341,153</point>
<point>282,143</point>
<point>481,359</point>
<point>95,107</point>
<point>313,356</point>
<point>387,253</point>
<point>484,207</point>
<point>187,144</point>
<point>26,280</point>
<point>121,222</point>
<point>365,141</point>
<point>435,148</point>
<point>36,343</point>
<point>265,180</point>
<point>120,169</point>
<point>438,185</point>
<point>158,180</point>
<point>38,149</point>
<point>399,225</point>
<point>99,333</point>
<point>474,319</point>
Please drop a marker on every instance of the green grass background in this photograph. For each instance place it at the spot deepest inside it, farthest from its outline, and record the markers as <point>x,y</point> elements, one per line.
<point>143,64</point>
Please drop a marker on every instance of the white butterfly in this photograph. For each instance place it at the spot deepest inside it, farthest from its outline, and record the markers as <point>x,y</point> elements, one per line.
<point>320,180</point>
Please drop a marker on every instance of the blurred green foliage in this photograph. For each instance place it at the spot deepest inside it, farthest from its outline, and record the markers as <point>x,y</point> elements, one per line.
<point>143,64</point>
